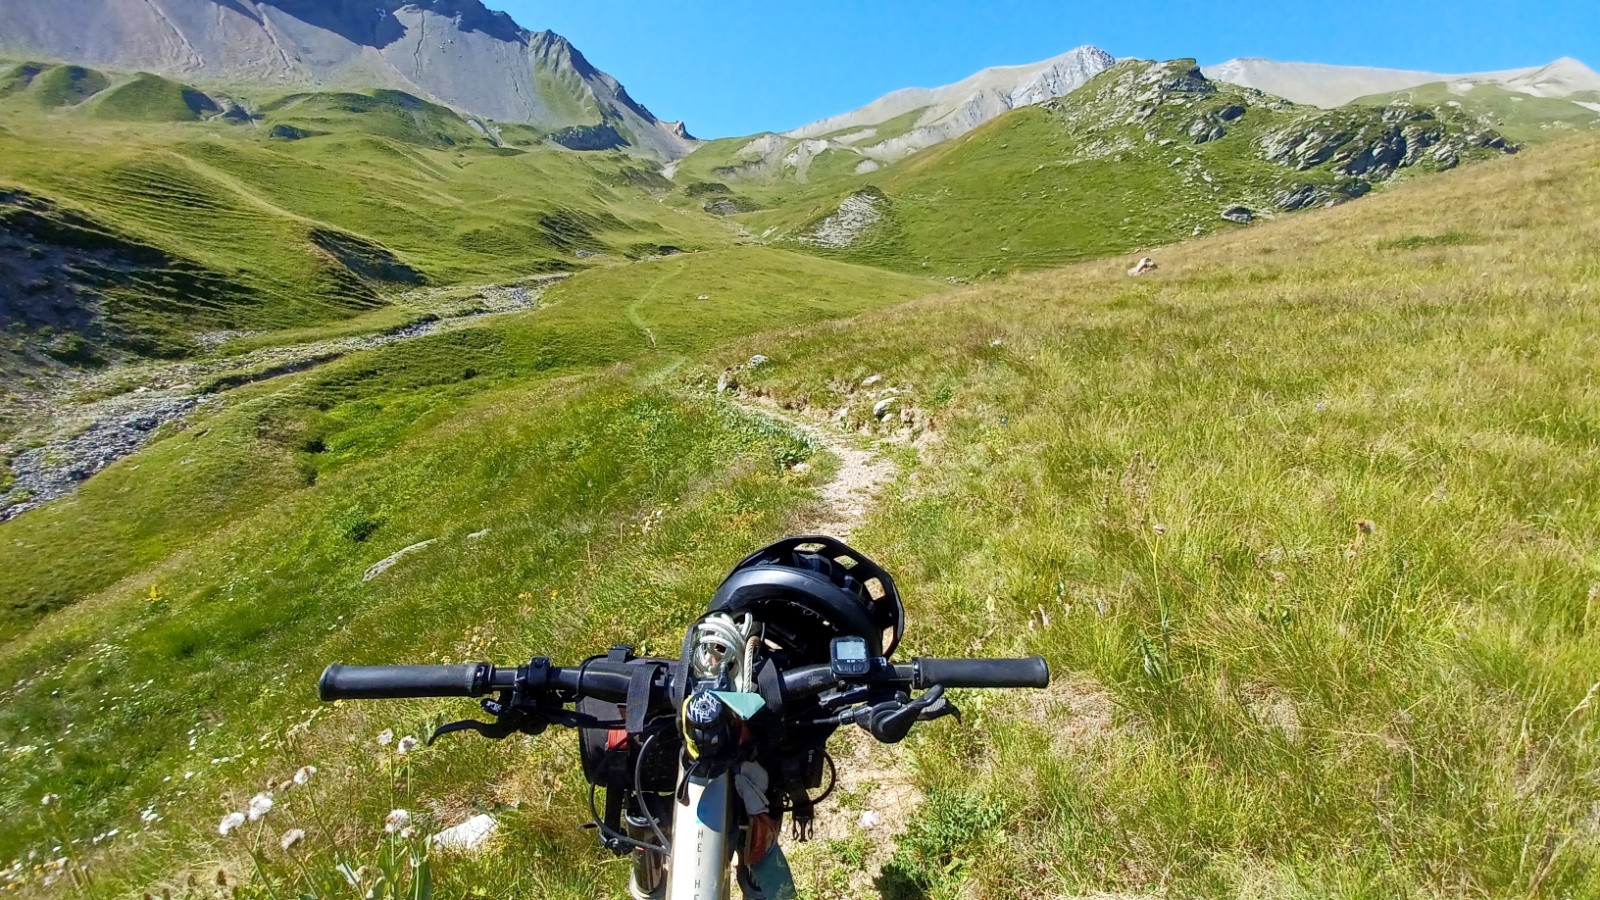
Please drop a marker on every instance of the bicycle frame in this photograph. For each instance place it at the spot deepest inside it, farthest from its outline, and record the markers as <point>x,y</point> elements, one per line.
<point>702,840</point>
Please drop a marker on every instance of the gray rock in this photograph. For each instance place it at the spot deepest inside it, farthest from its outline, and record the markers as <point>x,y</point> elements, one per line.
<point>54,470</point>
<point>1302,197</point>
<point>1239,214</point>
<point>757,362</point>
<point>388,562</point>
<point>855,215</point>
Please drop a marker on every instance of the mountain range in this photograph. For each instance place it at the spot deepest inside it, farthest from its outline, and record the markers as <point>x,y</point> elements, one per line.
<point>1327,86</point>
<point>454,52</point>
<point>482,64</point>
<point>928,116</point>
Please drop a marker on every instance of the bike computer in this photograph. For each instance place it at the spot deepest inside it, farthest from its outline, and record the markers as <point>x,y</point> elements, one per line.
<point>849,658</point>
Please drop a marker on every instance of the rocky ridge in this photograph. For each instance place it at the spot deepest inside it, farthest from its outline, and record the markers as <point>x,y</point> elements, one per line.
<point>955,109</point>
<point>1328,156</point>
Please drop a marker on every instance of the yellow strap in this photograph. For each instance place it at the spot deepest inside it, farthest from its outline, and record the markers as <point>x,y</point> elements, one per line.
<point>689,745</point>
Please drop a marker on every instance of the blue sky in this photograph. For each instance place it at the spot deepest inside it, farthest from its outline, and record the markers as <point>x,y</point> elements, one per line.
<point>733,67</point>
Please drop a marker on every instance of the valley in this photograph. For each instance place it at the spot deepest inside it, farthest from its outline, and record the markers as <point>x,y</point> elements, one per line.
<point>355,364</point>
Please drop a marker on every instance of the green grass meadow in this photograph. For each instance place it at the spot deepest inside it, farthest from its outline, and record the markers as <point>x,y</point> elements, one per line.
<point>1304,521</point>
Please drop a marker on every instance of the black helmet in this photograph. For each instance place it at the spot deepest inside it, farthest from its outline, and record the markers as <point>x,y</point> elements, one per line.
<point>808,590</point>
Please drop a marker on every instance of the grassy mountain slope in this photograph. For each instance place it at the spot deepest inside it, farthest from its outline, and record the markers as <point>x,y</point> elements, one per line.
<point>52,86</point>
<point>1300,521</point>
<point>1518,116</point>
<point>1304,523</point>
<point>151,98</point>
<point>1144,154</point>
<point>390,114</point>
<point>556,433</point>
<point>290,233</point>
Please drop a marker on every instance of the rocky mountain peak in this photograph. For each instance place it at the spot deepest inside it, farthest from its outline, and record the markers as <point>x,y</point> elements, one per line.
<point>953,110</point>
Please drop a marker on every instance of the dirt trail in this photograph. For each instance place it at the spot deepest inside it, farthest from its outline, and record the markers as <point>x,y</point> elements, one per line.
<point>850,493</point>
<point>875,795</point>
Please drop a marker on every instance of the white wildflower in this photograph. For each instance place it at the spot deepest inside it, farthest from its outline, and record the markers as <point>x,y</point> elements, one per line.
<point>398,819</point>
<point>149,815</point>
<point>260,805</point>
<point>229,823</point>
<point>50,799</point>
<point>303,774</point>
<point>406,745</point>
<point>292,837</point>
<point>408,832</point>
<point>385,737</point>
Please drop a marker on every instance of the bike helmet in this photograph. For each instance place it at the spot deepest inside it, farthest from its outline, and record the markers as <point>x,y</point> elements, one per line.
<point>808,590</point>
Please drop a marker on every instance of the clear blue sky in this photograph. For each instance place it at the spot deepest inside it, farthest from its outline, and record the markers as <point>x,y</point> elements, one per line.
<point>733,67</point>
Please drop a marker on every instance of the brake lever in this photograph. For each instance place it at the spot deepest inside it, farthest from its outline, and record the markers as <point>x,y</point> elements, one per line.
<point>509,720</point>
<point>890,722</point>
<point>494,731</point>
<point>938,709</point>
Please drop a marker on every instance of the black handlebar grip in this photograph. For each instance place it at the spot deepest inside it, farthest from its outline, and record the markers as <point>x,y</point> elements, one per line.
<point>1031,672</point>
<point>397,682</point>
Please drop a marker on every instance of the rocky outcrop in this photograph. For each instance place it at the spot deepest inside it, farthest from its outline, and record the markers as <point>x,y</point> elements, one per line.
<point>846,225</point>
<point>1373,146</point>
<point>454,52</point>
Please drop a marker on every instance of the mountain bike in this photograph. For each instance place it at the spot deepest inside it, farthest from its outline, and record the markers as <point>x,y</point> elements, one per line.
<point>693,763</point>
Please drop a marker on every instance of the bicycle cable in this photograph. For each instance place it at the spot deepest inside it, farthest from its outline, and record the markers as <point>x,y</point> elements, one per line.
<point>638,791</point>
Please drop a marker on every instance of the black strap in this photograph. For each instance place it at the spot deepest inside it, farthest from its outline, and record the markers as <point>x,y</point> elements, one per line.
<point>679,670</point>
<point>802,811</point>
<point>639,688</point>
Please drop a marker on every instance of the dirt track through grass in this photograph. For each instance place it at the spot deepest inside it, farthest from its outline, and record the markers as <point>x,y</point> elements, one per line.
<point>848,495</point>
<point>876,796</point>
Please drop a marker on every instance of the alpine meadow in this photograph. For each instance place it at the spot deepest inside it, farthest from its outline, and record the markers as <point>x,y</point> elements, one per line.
<point>328,340</point>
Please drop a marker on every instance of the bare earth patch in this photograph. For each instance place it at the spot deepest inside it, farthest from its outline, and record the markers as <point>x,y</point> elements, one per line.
<point>871,805</point>
<point>849,494</point>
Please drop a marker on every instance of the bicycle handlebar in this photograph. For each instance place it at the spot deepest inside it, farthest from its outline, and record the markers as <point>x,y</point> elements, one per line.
<point>609,681</point>
<point>397,682</point>
<point>1030,672</point>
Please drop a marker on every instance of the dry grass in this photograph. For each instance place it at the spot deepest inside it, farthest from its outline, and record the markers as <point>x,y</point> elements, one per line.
<point>1314,503</point>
